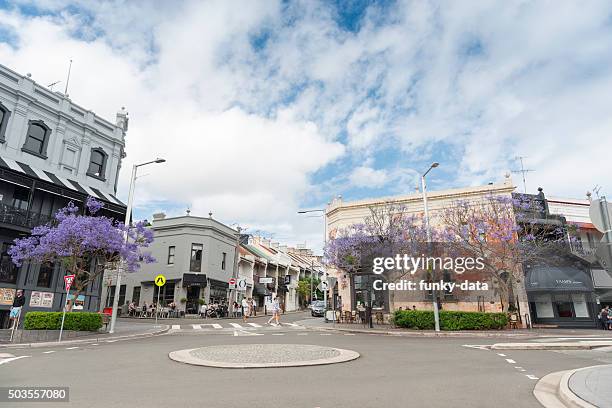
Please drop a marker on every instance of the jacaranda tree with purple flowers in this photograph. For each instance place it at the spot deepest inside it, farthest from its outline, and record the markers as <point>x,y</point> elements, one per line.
<point>85,245</point>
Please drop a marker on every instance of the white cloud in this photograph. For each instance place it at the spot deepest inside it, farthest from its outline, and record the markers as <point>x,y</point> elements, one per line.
<point>368,177</point>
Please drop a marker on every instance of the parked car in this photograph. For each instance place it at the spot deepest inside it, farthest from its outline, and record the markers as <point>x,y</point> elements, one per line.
<point>317,308</point>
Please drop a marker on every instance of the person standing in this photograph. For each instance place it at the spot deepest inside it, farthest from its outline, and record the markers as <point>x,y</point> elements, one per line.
<point>275,312</point>
<point>245,309</point>
<point>254,307</point>
<point>18,303</point>
<point>603,317</point>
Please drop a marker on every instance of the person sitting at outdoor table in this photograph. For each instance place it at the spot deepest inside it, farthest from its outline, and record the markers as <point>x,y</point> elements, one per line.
<point>132,308</point>
<point>143,311</point>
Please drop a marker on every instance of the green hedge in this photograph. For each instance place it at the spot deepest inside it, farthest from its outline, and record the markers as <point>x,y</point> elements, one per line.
<point>81,321</point>
<point>449,320</point>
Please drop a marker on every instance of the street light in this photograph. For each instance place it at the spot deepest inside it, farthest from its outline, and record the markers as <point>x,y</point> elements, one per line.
<point>324,243</point>
<point>428,233</point>
<point>128,213</point>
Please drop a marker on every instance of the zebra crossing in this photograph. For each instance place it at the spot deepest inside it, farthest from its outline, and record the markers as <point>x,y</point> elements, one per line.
<point>230,326</point>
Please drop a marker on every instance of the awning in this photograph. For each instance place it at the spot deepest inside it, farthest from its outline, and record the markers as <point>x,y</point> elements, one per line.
<point>560,279</point>
<point>150,282</point>
<point>194,279</point>
<point>57,180</point>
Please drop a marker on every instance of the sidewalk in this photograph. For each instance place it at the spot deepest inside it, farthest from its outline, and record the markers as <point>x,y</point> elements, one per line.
<point>587,387</point>
<point>319,324</point>
<point>123,331</point>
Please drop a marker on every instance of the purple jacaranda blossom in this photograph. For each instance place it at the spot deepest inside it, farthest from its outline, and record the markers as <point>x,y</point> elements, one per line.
<point>78,241</point>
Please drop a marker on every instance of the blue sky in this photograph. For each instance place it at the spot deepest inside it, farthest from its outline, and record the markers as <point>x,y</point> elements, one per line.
<point>262,108</point>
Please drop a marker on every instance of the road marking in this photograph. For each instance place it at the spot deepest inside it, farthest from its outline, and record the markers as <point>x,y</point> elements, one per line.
<point>501,355</point>
<point>302,334</point>
<point>325,334</point>
<point>278,334</point>
<point>6,355</point>
<point>214,325</point>
<point>532,377</point>
<point>95,344</point>
<point>49,352</point>
<point>293,325</point>
<point>254,325</point>
<point>245,333</point>
<point>71,348</point>
<point>176,327</point>
<point>8,360</point>
<point>477,346</point>
<point>236,325</point>
<point>509,360</point>
<point>196,327</point>
<point>111,341</point>
<point>349,334</point>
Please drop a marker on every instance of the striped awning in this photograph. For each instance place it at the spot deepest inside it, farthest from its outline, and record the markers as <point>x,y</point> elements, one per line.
<point>57,180</point>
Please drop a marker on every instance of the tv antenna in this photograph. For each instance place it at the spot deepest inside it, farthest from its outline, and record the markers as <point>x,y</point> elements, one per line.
<point>523,171</point>
<point>50,86</point>
<point>596,189</point>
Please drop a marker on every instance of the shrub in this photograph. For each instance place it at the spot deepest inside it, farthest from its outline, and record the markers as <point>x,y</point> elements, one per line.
<point>80,321</point>
<point>450,320</point>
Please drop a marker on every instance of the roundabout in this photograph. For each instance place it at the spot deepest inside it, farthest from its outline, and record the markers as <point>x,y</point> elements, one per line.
<point>263,355</point>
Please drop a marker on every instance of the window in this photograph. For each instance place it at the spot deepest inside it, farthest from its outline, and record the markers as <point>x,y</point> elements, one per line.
<point>171,250</point>
<point>223,261</point>
<point>4,115</point>
<point>110,295</point>
<point>37,138</point>
<point>166,295</point>
<point>21,196</point>
<point>97,164</point>
<point>45,276</point>
<point>196,258</point>
<point>8,270</point>
<point>122,290</point>
<point>136,295</point>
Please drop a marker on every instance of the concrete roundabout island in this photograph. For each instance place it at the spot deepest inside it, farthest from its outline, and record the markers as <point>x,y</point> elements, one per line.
<point>263,355</point>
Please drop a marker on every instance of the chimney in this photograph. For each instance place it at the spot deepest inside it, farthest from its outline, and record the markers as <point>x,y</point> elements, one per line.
<point>122,119</point>
<point>159,216</point>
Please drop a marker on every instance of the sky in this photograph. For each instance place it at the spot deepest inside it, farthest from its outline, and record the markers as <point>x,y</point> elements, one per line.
<point>263,108</point>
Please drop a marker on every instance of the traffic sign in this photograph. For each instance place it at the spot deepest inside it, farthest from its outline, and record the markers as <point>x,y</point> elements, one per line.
<point>241,284</point>
<point>160,280</point>
<point>323,286</point>
<point>68,279</point>
<point>232,283</point>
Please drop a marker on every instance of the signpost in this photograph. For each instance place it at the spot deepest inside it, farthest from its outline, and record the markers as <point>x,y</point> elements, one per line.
<point>266,280</point>
<point>68,279</point>
<point>241,285</point>
<point>232,283</point>
<point>160,280</point>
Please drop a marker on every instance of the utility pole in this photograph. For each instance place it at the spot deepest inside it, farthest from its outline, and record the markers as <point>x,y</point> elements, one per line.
<point>236,265</point>
<point>428,232</point>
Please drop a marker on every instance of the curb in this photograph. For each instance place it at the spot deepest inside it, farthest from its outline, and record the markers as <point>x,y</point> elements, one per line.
<point>418,334</point>
<point>546,346</point>
<point>552,391</point>
<point>164,329</point>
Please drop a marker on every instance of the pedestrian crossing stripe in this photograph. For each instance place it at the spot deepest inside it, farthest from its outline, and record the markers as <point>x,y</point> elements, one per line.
<point>233,326</point>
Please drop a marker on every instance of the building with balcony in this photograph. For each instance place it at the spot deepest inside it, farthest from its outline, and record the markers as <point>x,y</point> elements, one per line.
<point>52,151</point>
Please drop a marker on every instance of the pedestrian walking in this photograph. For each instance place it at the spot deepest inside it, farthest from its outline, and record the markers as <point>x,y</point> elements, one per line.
<point>245,309</point>
<point>275,312</point>
<point>254,307</point>
<point>15,313</point>
<point>603,318</point>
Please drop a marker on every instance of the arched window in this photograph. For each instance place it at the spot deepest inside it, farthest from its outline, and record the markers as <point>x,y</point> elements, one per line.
<point>4,116</point>
<point>97,163</point>
<point>37,138</point>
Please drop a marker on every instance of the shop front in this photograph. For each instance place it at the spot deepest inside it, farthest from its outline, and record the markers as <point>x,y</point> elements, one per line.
<point>602,283</point>
<point>561,296</point>
<point>194,284</point>
<point>218,291</point>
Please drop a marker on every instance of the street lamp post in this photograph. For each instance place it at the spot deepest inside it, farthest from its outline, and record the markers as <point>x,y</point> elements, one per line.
<point>428,234</point>
<point>128,214</point>
<point>324,243</point>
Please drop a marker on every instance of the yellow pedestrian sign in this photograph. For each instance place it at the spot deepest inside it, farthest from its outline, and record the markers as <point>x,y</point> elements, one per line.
<point>160,280</point>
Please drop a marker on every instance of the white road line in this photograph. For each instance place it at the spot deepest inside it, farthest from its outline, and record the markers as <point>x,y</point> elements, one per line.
<point>71,348</point>
<point>245,333</point>
<point>176,327</point>
<point>278,334</point>
<point>325,334</point>
<point>501,355</point>
<point>8,360</point>
<point>95,344</point>
<point>296,326</point>
<point>302,334</point>
<point>111,341</point>
<point>196,327</point>
<point>349,334</point>
<point>236,325</point>
<point>254,325</point>
<point>509,360</point>
<point>49,352</point>
<point>532,377</point>
<point>214,325</point>
<point>477,346</point>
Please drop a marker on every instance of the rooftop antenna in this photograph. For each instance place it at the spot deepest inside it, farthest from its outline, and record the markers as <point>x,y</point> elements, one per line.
<point>596,189</point>
<point>523,171</point>
<point>68,78</point>
<point>50,86</point>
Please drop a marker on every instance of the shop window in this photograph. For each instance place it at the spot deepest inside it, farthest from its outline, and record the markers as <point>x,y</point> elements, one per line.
<point>166,295</point>
<point>136,295</point>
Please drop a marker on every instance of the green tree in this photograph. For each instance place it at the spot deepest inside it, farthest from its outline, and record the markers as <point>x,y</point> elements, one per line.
<point>303,290</point>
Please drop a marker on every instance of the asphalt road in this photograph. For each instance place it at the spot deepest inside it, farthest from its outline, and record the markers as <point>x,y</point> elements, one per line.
<point>391,372</point>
